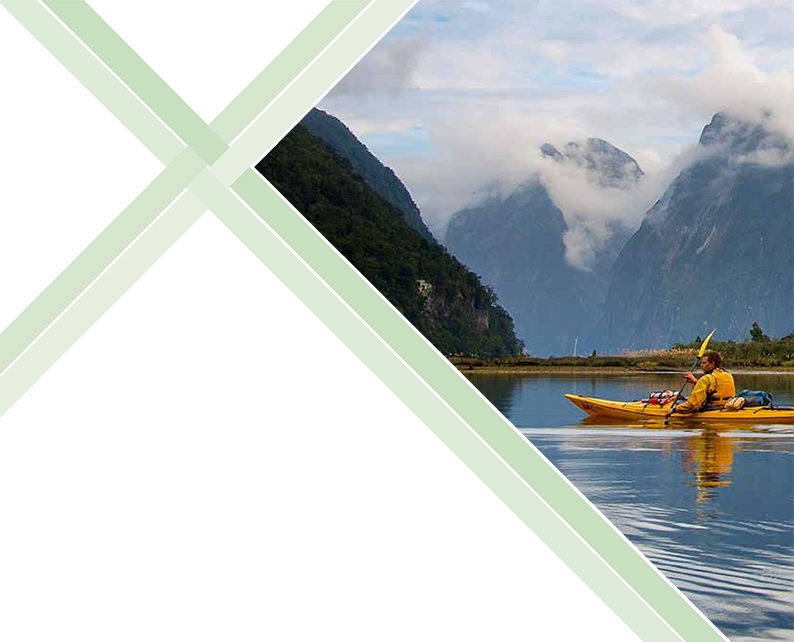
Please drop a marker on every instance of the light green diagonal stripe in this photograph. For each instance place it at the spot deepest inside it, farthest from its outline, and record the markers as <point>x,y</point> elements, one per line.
<point>489,424</point>
<point>209,143</point>
<point>97,256</point>
<point>286,67</point>
<point>431,410</point>
<point>265,131</point>
<point>139,77</point>
<point>163,101</point>
<point>78,275</point>
<point>30,367</point>
<point>233,162</point>
<point>303,94</point>
<point>98,299</point>
<point>98,80</point>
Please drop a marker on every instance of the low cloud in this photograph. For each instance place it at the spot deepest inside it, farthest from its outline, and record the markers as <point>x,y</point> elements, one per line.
<point>508,157</point>
<point>594,213</point>
<point>772,157</point>
<point>473,97</point>
<point>389,67</point>
<point>732,83</point>
<point>478,152</point>
<point>499,152</point>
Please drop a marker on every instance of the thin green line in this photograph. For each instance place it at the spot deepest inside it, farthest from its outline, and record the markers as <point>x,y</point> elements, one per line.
<point>428,407</point>
<point>332,72</point>
<point>303,94</point>
<point>285,67</point>
<point>208,142</point>
<point>139,77</point>
<point>372,351</point>
<point>97,256</point>
<point>98,299</point>
<point>98,80</point>
<point>233,161</point>
<point>489,424</point>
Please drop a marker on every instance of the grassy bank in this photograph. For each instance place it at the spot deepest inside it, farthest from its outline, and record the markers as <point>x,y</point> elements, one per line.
<point>609,365</point>
<point>564,365</point>
<point>760,352</point>
<point>640,361</point>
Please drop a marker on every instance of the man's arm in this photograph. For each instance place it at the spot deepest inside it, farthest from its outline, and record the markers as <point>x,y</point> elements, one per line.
<point>698,397</point>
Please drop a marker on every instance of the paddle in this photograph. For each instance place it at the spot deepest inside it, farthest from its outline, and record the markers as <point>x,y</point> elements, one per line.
<point>697,361</point>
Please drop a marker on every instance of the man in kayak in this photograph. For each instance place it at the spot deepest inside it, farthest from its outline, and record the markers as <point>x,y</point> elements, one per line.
<point>713,389</point>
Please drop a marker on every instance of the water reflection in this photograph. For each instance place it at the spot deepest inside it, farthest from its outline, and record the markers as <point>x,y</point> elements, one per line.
<point>709,458</point>
<point>712,505</point>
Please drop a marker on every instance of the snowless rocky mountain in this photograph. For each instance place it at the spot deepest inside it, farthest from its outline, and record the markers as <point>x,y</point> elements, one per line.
<point>716,250</point>
<point>517,245</point>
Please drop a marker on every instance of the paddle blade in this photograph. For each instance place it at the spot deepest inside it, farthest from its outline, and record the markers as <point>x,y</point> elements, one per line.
<point>706,343</point>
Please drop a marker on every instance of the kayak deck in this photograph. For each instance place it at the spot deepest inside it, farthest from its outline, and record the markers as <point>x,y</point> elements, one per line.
<point>640,409</point>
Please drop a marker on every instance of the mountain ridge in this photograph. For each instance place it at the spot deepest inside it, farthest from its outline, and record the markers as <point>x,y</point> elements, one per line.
<point>437,294</point>
<point>716,248</point>
<point>380,177</point>
<point>517,245</point>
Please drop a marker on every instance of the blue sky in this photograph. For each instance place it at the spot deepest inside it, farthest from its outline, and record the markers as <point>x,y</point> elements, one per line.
<point>459,94</point>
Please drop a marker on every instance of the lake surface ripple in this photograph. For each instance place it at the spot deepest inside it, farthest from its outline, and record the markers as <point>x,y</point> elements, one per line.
<point>711,506</point>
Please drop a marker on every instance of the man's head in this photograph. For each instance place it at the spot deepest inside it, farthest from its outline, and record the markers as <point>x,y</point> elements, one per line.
<point>710,361</point>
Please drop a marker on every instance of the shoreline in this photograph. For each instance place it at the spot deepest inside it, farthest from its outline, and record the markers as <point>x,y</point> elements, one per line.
<point>568,370</point>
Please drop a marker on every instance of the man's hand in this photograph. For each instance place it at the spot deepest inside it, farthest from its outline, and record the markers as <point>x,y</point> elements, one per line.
<point>673,401</point>
<point>690,377</point>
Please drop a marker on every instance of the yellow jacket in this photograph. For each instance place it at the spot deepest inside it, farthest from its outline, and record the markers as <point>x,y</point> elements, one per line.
<point>714,388</point>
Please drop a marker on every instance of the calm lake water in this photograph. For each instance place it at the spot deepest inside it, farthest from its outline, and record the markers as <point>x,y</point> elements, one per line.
<point>711,506</point>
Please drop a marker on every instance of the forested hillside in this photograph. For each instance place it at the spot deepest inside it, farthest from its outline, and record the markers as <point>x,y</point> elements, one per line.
<point>382,179</point>
<point>439,295</point>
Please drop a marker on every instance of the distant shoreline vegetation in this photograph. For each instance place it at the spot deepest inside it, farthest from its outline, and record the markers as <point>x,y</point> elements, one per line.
<point>760,351</point>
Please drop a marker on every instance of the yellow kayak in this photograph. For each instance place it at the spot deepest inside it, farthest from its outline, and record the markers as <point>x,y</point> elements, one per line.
<point>641,409</point>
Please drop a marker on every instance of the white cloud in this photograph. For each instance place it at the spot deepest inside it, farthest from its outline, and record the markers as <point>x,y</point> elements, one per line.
<point>593,211</point>
<point>772,157</point>
<point>553,50</point>
<point>389,67</point>
<point>467,66</point>
<point>734,83</point>
<point>486,89</point>
<point>362,126</point>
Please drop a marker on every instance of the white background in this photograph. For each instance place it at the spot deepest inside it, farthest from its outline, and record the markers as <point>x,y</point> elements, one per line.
<point>209,461</point>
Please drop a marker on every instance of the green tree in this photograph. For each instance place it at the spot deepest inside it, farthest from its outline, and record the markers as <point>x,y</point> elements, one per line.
<point>757,334</point>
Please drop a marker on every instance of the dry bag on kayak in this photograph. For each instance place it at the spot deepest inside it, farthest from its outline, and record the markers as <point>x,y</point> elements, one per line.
<point>754,398</point>
<point>661,397</point>
<point>735,403</point>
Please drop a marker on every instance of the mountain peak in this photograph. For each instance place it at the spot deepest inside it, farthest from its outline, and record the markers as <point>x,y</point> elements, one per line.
<point>382,179</point>
<point>742,135</point>
<point>607,165</point>
<point>613,166</point>
<point>550,151</point>
<point>730,215</point>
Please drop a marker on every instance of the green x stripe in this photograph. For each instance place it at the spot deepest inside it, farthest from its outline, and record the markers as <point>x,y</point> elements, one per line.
<point>263,134</point>
<point>182,164</point>
<point>323,280</point>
